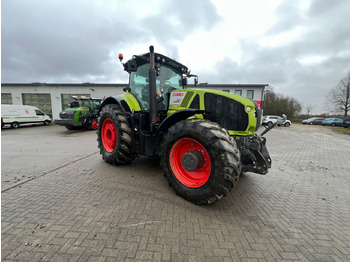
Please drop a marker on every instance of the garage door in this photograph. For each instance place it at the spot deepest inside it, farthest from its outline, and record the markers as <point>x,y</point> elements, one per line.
<point>41,101</point>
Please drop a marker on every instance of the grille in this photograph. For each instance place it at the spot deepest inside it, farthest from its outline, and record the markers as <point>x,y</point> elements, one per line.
<point>228,113</point>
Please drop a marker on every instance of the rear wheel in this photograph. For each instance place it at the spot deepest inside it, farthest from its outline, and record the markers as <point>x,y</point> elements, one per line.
<point>114,136</point>
<point>200,160</point>
<point>15,125</point>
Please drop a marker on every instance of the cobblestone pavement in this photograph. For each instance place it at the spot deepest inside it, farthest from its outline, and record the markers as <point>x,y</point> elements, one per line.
<point>91,211</point>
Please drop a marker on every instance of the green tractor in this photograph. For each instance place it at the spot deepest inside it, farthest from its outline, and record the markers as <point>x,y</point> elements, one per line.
<point>82,113</point>
<point>205,138</point>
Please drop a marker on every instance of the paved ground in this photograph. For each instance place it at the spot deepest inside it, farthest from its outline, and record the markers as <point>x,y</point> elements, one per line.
<point>78,208</point>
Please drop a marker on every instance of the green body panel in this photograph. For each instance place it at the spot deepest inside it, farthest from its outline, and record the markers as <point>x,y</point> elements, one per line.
<point>131,101</point>
<point>248,104</point>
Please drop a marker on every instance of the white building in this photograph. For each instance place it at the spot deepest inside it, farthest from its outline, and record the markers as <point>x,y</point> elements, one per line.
<point>53,98</point>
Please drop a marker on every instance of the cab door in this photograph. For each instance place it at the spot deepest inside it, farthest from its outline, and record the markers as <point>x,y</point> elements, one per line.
<point>40,116</point>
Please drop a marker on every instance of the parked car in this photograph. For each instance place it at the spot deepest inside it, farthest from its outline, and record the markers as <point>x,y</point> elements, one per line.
<point>16,115</point>
<point>269,120</point>
<point>332,122</point>
<point>346,122</point>
<point>313,121</point>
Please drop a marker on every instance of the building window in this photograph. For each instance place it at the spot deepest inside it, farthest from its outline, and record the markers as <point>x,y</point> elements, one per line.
<point>6,99</point>
<point>67,98</point>
<point>238,92</point>
<point>250,94</point>
<point>228,91</point>
<point>41,101</point>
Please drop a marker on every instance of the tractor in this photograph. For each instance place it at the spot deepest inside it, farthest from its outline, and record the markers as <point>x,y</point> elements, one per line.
<point>204,138</point>
<point>82,113</point>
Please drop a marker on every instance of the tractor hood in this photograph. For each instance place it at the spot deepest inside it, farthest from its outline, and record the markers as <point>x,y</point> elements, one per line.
<point>239,115</point>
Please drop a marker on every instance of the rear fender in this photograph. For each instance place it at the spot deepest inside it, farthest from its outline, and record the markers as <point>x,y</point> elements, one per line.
<point>115,100</point>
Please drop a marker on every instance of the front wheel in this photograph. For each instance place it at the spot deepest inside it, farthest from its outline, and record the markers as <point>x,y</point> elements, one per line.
<point>114,135</point>
<point>200,160</point>
<point>287,124</point>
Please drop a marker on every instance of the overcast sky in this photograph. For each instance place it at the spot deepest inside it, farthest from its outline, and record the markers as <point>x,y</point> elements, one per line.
<point>300,48</point>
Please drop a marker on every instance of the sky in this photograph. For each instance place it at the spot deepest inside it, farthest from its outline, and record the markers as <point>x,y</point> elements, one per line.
<point>300,48</point>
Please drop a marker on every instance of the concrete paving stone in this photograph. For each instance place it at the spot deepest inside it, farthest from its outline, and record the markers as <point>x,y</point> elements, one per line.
<point>89,209</point>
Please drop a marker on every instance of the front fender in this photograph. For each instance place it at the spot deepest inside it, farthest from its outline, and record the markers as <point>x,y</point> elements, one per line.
<point>177,117</point>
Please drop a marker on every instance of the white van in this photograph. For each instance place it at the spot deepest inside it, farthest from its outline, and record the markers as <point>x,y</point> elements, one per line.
<point>16,115</point>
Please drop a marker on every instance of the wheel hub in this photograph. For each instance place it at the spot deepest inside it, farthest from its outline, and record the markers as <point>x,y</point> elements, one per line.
<point>192,160</point>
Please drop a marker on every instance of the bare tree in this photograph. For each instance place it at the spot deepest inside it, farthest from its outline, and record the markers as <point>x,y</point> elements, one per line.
<point>339,97</point>
<point>277,104</point>
<point>309,109</point>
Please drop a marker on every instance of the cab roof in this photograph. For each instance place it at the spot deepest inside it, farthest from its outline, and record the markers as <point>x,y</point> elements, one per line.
<point>138,60</point>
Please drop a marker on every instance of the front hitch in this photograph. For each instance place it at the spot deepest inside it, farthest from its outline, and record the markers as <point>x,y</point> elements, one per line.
<point>254,154</point>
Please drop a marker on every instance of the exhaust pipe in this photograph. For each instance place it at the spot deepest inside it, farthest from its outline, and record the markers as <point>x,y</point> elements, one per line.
<point>152,90</point>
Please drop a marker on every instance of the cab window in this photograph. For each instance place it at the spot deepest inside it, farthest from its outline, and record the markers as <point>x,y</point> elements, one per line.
<point>39,113</point>
<point>166,81</point>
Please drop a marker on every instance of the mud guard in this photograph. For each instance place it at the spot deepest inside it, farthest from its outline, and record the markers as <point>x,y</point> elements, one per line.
<point>177,117</point>
<point>115,100</point>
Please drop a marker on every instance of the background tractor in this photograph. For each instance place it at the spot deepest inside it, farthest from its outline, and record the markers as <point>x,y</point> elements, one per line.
<point>82,113</point>
<point>204,138</point>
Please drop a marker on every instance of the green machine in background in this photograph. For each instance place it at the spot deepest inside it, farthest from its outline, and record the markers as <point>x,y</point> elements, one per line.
<point>204,138</point>
<point>82,113</point>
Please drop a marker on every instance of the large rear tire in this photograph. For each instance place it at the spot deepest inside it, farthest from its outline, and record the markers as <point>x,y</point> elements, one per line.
<point>114,136</point>
<point>200,160</point>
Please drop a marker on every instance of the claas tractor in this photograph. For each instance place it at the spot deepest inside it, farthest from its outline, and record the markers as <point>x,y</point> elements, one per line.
<point>204,138</point>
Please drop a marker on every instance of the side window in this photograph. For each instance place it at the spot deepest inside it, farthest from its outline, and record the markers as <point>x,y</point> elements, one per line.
<point>39,113</point>
<point>250,94</point>
<point>238,92</point>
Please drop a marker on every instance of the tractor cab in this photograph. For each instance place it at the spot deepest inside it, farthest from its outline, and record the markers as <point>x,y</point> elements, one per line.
<point>170,76</point>
<point>167,80</point>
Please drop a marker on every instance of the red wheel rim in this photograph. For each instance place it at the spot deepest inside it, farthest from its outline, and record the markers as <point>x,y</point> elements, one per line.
<point>197,177</point>
<point>94,124</point>
<point>109,135</point>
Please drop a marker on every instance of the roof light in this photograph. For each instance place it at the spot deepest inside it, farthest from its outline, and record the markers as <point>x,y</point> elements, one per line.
<point>120,57</point>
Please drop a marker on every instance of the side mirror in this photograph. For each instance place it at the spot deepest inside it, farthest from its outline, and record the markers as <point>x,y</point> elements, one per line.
<point>184,81</point>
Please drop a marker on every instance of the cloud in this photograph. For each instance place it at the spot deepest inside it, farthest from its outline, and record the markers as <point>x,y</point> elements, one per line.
<point>67,41</point>
<point>299,47</point>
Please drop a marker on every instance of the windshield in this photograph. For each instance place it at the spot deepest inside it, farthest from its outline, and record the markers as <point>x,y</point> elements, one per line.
<point>166,81</point>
